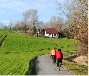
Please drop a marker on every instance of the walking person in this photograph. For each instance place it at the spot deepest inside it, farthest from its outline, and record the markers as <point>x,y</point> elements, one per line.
<point>59,57</point>
<point>53,54</point>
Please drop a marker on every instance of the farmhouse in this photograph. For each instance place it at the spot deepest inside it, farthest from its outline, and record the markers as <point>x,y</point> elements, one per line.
<point>51,32</point>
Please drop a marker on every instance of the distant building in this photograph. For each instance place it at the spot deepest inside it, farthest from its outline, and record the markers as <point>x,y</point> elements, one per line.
<point>51,32</point>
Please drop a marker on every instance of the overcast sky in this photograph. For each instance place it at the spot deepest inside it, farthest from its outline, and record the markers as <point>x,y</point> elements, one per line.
<point>13,9</point>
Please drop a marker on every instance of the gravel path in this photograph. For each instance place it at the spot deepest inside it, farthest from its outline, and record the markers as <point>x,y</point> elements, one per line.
<point>44,66</point>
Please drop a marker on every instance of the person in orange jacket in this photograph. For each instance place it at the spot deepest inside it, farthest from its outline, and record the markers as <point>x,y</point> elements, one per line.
<point>59,57</point>
<point>53,54</point>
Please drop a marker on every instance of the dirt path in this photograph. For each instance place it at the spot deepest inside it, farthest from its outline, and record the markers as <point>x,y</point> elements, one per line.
<point>44,66</point>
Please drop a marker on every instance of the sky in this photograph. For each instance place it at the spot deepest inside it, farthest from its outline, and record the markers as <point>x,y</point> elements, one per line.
<point>12,10</point>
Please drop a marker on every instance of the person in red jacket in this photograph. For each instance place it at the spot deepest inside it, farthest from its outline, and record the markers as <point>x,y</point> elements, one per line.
<point>59,57</point>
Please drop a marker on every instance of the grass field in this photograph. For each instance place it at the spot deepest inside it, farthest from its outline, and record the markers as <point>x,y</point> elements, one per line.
<point>18,49</point>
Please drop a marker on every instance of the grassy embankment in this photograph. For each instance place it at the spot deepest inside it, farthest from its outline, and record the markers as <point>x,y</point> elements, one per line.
<point>18,49</point>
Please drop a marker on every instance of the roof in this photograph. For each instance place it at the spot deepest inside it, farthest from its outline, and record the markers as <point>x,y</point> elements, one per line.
<point>51,31</point>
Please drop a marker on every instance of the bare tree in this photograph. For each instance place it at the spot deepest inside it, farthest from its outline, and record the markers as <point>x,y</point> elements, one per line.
<point>77,19</point>
<point>2,25</point>
<point>55,22</point>
<point>17,25</point>
<point>11,24</point>
<point>24,27</point>
<point>79,23</point>
<point>30,17</point>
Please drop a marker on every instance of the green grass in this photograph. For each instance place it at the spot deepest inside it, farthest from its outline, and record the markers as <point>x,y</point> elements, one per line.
<point>75,68</point>
<point>2,31</point>
<point>14,63</point>
<point>17,51</point>
<point>21,42</point>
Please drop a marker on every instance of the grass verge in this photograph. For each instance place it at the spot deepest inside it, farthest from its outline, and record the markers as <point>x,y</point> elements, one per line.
<point>75,68</point>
